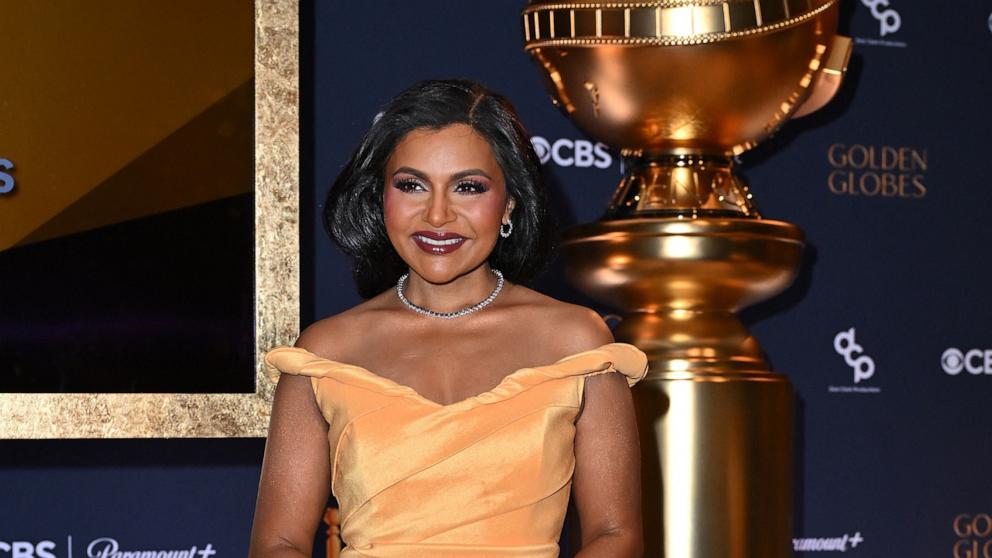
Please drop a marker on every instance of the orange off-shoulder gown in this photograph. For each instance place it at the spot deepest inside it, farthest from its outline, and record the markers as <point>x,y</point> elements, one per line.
<point>485,477</point>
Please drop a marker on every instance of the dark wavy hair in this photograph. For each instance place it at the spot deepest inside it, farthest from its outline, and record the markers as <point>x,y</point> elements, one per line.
<point>353,215</point>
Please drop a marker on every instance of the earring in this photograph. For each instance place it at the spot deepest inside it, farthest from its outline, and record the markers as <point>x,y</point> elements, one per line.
<point>506,232</point>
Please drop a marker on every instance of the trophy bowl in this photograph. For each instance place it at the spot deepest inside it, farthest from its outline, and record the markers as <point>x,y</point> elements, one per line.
<point>682,86</point>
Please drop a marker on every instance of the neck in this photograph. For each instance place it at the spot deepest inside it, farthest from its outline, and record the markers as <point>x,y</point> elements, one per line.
<point>454,295</point>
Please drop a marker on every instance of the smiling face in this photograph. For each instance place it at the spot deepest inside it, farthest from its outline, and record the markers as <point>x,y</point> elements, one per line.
<point>444,200</point>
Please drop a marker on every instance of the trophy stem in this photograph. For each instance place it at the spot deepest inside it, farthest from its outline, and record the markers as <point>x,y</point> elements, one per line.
<point>680,185</point>
<point>715,423</point>
<point>693,341</point>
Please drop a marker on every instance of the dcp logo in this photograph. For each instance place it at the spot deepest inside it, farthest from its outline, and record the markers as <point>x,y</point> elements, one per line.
<point>975,361</point>
<point>889,20</point>
<point>572,153</point>
<point>847,347</point>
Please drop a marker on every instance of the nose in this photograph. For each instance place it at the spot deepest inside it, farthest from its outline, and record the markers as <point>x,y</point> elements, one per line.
<point>439,211</point>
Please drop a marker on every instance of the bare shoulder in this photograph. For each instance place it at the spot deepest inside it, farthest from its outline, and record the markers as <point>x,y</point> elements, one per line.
<point>336,336</point>
<point>576,328</point>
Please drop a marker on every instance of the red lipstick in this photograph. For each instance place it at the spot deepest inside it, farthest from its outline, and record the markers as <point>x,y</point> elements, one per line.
<point>438,243</point>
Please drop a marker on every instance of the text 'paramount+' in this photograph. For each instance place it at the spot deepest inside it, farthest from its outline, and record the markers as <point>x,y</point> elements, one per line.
<point>103,547</point>
<point>842,543</point>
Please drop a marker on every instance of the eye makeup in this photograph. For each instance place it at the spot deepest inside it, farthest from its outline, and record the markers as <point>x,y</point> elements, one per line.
<point>471,187</point>
<point>404,184</point>
<point>463,186</point>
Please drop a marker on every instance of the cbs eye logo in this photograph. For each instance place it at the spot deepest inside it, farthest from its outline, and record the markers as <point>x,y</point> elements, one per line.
<point>975,361</point>
<point>572,153</point>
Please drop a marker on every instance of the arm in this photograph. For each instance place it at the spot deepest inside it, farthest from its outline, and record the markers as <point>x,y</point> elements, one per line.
<point>607,481</point>
<point>295,478</point>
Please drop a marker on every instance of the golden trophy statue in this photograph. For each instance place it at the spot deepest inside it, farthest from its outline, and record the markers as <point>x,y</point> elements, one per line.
<point>680,87</point>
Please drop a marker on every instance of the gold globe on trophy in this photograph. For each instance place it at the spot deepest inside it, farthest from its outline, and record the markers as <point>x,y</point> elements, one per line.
<point>680,87</point>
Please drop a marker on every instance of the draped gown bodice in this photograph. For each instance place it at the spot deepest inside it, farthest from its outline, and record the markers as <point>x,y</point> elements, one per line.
<point>485,477</point>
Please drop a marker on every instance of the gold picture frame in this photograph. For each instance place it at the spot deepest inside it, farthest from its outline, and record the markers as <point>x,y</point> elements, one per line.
<point>196,415</point>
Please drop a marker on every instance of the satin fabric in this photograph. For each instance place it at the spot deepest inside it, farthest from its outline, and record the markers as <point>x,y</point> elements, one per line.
<point>487,476</point>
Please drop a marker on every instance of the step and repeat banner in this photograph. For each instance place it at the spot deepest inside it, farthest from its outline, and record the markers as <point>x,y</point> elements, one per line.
<point>886,334</point>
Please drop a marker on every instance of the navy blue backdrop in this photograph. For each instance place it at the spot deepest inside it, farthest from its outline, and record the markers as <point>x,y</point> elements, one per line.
<point>890,182</point>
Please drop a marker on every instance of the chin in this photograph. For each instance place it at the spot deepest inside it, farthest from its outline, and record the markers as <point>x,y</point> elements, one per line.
<point>441,271</point>
<point>439,275</point>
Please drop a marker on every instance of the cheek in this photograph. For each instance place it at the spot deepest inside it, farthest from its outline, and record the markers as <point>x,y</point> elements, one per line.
<point>394,210</point>
<point>487,214</point>
<point>388,210</point>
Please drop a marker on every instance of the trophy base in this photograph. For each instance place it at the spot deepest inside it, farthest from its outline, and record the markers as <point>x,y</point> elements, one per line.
<point>715,423</point>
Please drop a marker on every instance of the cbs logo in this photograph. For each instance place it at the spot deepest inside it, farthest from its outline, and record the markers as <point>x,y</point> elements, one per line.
<point>975,361</point>
<point>572,153</point>
<point>27,549</point>
<point>6,179</point>
<point>970,527</point>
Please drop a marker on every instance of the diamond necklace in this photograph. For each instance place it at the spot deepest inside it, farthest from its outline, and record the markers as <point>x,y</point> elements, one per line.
<point>401,284</point>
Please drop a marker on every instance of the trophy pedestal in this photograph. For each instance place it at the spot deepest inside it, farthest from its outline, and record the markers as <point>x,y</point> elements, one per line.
<point>715,424</point>
<point>716,465</point>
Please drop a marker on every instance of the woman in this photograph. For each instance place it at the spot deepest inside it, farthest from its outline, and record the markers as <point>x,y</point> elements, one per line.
<point>435,449</point>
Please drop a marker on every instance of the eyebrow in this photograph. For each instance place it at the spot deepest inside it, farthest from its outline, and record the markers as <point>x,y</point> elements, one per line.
<point>458,175</point>
<point>471,172</point>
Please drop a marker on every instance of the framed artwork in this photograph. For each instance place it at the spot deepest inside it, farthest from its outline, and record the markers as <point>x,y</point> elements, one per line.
<point>149,245</point>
